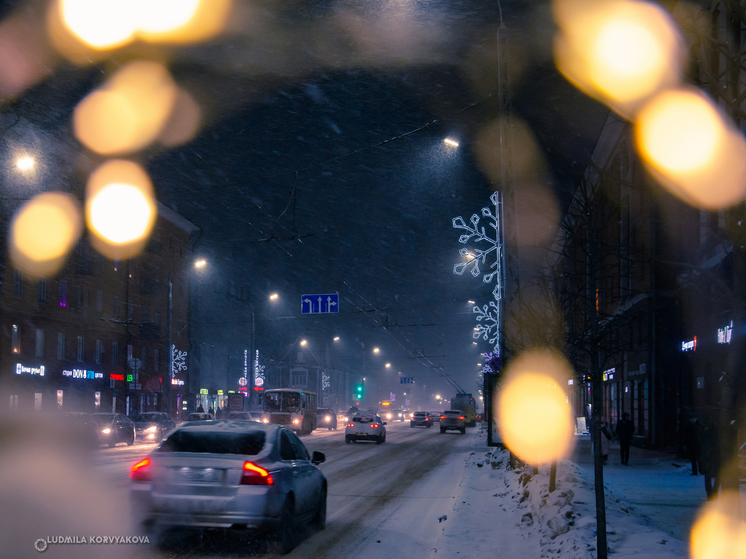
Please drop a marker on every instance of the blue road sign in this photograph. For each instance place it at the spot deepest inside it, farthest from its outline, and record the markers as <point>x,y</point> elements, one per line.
<point>406,380</point>
<point>319,304</point>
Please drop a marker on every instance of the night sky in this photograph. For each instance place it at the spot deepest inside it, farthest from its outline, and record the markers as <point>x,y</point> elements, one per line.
<point>321,165</point>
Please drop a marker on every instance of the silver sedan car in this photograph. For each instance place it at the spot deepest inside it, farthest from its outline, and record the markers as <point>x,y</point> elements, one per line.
<point>231,474</point>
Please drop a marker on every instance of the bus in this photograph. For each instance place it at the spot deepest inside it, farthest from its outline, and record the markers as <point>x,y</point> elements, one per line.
<point>293,408</point>
<point>467,404</point>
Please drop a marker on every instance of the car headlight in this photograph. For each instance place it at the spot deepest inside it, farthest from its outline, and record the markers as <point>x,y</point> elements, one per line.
<point>106,431</point>
<point>296,421</point>
<point>152,429</point>
<point>265,420</point>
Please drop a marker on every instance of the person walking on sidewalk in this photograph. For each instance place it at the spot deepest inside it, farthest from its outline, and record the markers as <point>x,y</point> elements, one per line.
<point>710,458</point>
<point>624,430</point>
<point>691,435</point>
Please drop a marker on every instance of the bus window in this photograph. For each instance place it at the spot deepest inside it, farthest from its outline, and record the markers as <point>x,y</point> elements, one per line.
<point>291,402</point>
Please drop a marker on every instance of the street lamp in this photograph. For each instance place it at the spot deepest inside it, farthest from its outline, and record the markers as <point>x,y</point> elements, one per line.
<point>25,163</point>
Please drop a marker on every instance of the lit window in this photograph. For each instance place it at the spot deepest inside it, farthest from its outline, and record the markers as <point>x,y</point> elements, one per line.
<point>16,339</point>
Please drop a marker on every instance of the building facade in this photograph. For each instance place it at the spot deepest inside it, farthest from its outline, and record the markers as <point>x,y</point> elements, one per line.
<point>95,337</point>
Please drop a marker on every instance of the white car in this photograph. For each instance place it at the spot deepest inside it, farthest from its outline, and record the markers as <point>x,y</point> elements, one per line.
<point>231,474</point>
<point>365,426</point>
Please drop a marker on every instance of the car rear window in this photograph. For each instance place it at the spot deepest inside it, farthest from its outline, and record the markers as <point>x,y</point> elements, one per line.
<point>453,413</point>
<point>361,419</point>
<point>215,443</point>
<point>420,413</point>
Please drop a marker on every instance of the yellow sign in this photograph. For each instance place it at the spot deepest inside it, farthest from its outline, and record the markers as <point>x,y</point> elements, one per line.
<point>203,391</point>
<point>220,392</point>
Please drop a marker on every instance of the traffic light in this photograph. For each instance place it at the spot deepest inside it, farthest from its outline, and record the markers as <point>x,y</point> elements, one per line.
<point>359,392</point>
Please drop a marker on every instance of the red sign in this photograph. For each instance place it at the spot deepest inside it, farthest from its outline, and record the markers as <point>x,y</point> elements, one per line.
<point>242,388</point>
<point>257,388</point>
<point>116,377</point>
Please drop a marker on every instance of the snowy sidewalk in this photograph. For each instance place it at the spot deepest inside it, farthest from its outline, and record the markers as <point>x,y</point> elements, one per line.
<point>511,514</point>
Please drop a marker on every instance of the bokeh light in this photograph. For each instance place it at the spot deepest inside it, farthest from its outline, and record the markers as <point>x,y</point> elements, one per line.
<point>182,21</point>
<point>25,163</point>
<point>129,112</point>
<point>534,417</point>
<point>621,52</point>
<point>691,148</point>
<point>184,122</point>
<point>120,208</point>
<point>101,24</point>
<point>718,533</point>
<point>43,232</point>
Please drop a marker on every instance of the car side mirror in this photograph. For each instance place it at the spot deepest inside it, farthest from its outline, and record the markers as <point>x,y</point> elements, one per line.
<point>317,457</point>
<point>384,423</point>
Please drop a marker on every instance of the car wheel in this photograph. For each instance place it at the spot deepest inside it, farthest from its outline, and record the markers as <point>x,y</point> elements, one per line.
<point>442,430</point>
<point>112,442</point>
<point>463,430</point>
<point>411,424</point>
<point>330,427</point>
<point>284,541</point>
<point>319,521</point>
<point>428,426</point>
<point>131,439</point>
<point>348,439</point>
<point>381,440</point>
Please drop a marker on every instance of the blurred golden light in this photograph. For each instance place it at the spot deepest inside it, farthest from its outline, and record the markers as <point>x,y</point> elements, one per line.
<point>718,533</point>
<point>44,230</point>
<point>200,263</point>
<point>534,417</point>
<point>336,338</point>
<point>129,112</point>
<point>101,24</point>
<point>25,163</point>
<point>120,208</point>
<point>388,365</point>
<point>621,52</point>
<point>182,21</point>
<point>303,342</point>
<point>449,142</point>
<point>376,350</point>
<point>273,297</point>
<point>692,149</point>
<point>184,122</point>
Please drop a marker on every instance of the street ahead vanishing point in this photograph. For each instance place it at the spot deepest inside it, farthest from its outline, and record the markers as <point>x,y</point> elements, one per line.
<point>319,304</point>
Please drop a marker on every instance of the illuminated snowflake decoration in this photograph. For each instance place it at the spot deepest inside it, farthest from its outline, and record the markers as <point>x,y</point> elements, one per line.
<point>325,381</point>
<point>488,323</point>
<point>178,360</point>
<point>492,362</point>
<point>487,237</point>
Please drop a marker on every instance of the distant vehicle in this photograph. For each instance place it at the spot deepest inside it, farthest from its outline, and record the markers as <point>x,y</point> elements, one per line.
<point>388,414</point>
<point>365,426</point>
<point>200,416</point>
<point>114,428</point>
<point>467,405</point>
<point>223,474</point>
<point>153,426</point>
<point>246,415</point>
<point>326,419</point>
<point>436,415</point>
<point>290,407</point>
<point>402,414</point>
<point>452,420</point>
<point>421,418</point>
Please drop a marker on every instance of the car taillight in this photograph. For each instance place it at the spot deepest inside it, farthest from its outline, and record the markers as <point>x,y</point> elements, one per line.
<point>254,475</point>
<point>141,471</point>
<point>442,416</point>
<point>375,425</point>
<point>461,418</point>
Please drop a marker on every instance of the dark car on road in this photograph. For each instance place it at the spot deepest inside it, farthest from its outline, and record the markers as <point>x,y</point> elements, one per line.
<point>114,428</point>
<point>153,426</point>
<point>326,419</point>
<point>421,418</point>
<point>453,420</point>
<point>226,475</point>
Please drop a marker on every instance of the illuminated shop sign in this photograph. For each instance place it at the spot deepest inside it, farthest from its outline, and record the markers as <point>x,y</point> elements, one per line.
<point>177,382</point>
<point>691,345</point>
<point>725,334</point>
<point>82,373</point>
<point>24,370</point>
<point>116,377</point>
<point>258,373</point>
<point>129,378</point>
<point>609,374</point>
<point>203,391</point>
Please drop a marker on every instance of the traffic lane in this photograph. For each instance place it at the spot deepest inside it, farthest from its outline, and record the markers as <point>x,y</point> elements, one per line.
<point>386,499</point>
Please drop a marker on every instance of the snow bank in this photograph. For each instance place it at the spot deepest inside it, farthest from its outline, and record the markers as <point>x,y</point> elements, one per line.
<point>513,513</point>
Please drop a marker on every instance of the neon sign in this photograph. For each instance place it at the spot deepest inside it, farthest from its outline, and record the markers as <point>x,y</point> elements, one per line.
<point>23,369</point>
<point>116,377</point>
<point>691,345</point>
<point>177,382</point>
<point>258,373</point>
<point>82,373</point>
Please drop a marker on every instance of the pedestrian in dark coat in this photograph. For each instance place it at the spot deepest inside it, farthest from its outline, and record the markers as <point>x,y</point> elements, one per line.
<point>710,458</point>
<point>691,439</point>
<point>624,430</point>
<point>200,409</point>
